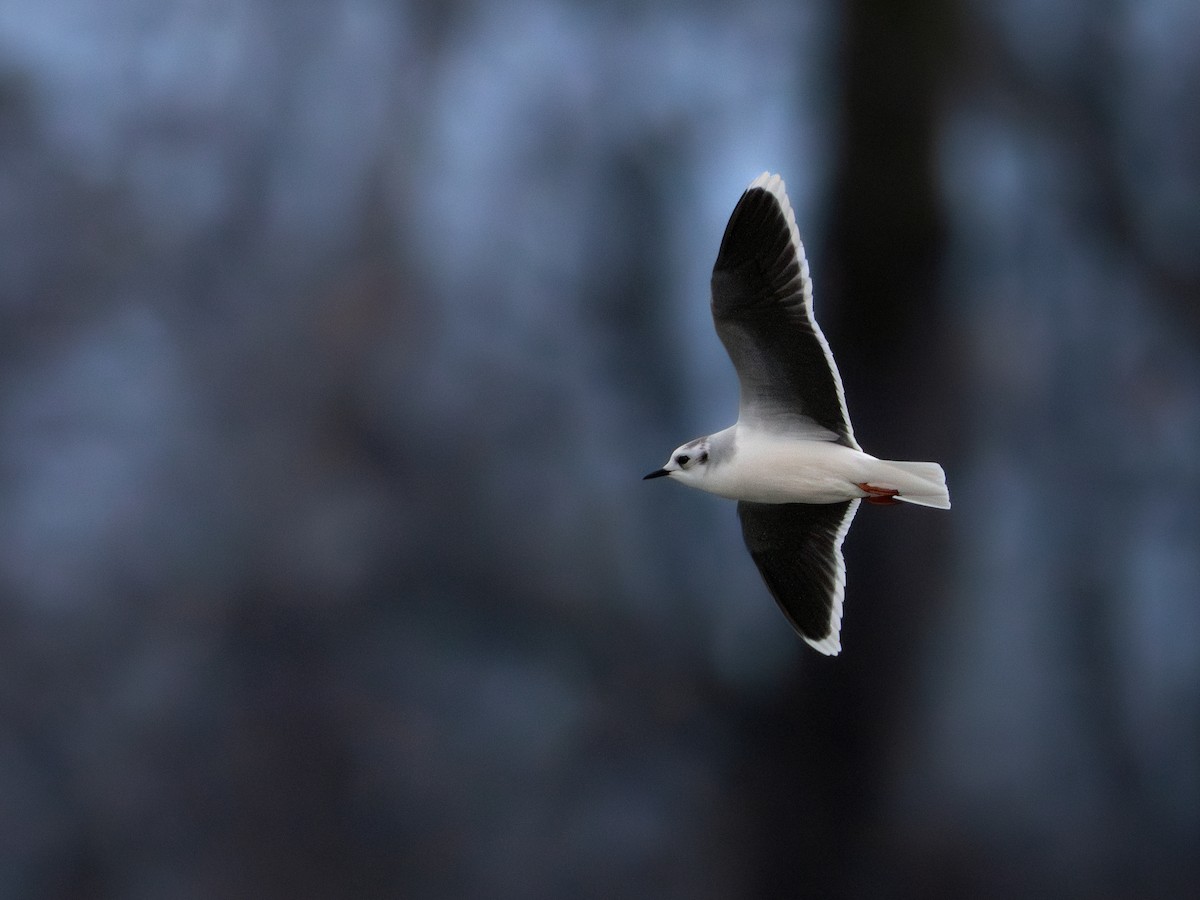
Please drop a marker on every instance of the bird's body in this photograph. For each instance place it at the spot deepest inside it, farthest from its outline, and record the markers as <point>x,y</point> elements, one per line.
<point>747,463</point>
<point>790,460</point>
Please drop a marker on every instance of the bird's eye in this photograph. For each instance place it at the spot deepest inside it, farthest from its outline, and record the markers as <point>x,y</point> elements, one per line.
<point>683,459</point>
<point>703,457</point>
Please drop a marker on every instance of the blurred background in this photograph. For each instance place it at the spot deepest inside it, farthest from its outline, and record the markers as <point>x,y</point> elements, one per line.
<point>336,335</point>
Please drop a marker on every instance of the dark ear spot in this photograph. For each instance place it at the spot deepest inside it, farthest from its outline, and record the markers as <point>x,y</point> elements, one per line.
<point>704,457</point>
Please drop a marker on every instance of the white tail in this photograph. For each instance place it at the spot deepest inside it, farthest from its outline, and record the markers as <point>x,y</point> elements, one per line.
<point>922,483</point>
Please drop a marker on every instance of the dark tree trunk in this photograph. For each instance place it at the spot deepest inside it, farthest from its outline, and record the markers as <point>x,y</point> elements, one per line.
<point>876,292</point>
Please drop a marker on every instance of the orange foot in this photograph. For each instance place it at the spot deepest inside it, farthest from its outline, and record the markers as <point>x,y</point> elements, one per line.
<point>880,496</point>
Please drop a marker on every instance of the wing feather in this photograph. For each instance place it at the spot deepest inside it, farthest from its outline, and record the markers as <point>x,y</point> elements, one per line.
<point>762,310</point>
<point>798,550</point>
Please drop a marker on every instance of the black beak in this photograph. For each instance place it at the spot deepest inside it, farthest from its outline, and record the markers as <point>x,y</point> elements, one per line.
<point>657,473</point>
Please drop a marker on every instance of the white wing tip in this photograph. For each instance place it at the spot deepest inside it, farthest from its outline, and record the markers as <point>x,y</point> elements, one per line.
<point>830,645</point>
<point>773,183</point>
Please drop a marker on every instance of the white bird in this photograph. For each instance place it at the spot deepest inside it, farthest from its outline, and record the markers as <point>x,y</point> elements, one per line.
<point>790,459</point>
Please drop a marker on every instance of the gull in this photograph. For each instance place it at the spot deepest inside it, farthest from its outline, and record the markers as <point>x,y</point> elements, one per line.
<point>790,459</point>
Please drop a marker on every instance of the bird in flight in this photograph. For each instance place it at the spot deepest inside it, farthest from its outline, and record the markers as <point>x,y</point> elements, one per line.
<point>790,459</point>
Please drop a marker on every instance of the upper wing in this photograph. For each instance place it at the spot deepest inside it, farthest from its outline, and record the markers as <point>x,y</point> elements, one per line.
<point>798,549</point>
<point>762,308</point>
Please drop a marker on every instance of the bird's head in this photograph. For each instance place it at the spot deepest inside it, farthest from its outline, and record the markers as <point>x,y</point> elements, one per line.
<point>688,463</point>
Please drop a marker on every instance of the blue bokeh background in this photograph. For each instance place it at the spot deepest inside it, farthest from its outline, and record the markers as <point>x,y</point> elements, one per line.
<point>336,335</point>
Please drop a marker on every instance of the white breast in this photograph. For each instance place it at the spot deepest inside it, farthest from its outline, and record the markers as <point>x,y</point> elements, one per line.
<point>769,468</point>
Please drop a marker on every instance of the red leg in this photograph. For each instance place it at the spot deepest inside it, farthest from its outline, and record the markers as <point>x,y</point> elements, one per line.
<point>880,496</point>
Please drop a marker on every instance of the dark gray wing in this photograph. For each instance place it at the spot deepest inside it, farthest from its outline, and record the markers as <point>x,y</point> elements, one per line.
<point>798,549</point>
<point>762,308</point>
